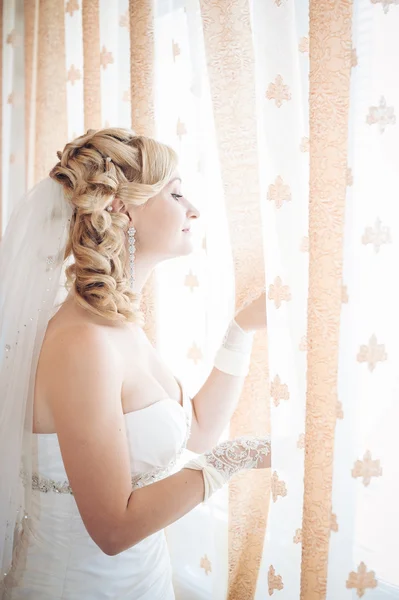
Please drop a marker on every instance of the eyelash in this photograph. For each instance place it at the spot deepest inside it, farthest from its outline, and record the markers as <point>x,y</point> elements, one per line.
<point>177,196</point>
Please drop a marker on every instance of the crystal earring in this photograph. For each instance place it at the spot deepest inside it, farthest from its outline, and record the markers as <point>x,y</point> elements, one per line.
<point>132,249</point>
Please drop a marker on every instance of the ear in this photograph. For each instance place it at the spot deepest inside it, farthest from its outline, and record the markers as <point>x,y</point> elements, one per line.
<point>118,206</point>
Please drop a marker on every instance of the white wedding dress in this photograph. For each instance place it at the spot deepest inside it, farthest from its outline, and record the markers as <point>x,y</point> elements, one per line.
<point>58,559</point>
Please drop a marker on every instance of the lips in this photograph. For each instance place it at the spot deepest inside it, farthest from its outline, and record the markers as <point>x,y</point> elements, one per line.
<point>186,230</point>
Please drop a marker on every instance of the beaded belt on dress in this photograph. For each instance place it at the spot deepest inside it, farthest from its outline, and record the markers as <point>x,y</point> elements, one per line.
<point>46,485</point>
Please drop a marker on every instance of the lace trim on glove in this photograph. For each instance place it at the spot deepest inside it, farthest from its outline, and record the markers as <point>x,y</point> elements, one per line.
<point>233,456</point>
<point>228,458</point>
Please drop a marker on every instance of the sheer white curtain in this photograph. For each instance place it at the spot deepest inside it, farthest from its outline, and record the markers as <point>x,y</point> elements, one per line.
<point>364,542</point>
<point>364,547</point>
<point>13,108</point>
<point>282,64</point>
<point>195,295</point>
<point>280,38</point>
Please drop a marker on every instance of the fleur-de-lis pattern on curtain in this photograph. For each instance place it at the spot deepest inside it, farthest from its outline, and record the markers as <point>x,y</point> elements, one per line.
<point>234,107</point>
<point>364,544</point>
<point>331,264</point>
<point>86,52</point>
<point>281,32</point>
<point>196,293</point>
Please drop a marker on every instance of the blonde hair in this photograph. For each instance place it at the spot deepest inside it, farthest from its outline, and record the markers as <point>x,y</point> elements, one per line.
<point>138,170</point>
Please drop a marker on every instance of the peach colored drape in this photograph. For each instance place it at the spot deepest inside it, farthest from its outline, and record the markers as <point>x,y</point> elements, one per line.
<point>296,180</point>
<point>91,64</point>
<point>50,92</point>
<point>330,66</point>
<point>141,24</point>
<point>234,103</point>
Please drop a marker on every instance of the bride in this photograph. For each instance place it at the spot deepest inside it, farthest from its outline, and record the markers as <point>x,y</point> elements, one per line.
<point>91,421</point>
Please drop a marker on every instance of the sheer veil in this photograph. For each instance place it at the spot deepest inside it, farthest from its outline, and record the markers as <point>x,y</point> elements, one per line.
<point>32,267</point>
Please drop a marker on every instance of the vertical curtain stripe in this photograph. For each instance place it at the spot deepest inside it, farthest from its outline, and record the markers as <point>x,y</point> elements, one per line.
<point>29,27</point>
<point>234,107</point>
<point>141,25</point>
<point>330,66</point>
<point>91,64</point>
<point>51,119</point>
<point>142,55</point>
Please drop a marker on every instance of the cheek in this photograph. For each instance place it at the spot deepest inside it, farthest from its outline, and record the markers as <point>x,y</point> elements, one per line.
<point>162,226</point>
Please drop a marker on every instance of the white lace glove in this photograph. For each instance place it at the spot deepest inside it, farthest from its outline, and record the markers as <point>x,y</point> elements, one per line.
<point>234,355</point>
<point>228,458</point>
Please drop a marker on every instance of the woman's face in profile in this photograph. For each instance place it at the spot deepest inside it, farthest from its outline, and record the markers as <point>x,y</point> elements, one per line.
<point>164,223</point>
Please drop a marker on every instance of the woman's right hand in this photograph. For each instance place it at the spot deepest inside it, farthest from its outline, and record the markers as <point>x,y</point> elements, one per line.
<point>230,457</point>
<point>240,454</point>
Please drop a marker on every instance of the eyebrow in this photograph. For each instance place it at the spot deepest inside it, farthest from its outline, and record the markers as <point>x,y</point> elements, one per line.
<point>175,179</point>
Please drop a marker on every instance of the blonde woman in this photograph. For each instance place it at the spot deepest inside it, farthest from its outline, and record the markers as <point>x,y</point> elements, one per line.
<point>91,420</point>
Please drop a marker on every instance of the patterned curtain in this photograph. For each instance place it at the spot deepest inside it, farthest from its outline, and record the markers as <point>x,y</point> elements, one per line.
<point>281,31</point>
<point>283,113</point>
<point>363,545</point>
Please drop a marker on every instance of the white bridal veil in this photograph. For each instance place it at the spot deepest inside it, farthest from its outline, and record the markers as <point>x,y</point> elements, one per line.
<point>31,268</point>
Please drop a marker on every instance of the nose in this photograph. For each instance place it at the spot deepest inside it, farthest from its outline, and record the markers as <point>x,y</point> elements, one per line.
<point>193,212</point>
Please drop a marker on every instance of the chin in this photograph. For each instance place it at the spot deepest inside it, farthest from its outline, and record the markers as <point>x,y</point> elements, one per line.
<point>183,250</point>
<point>188,248</point>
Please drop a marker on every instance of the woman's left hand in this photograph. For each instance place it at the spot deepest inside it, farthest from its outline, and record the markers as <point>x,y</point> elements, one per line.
<point>253,316</point>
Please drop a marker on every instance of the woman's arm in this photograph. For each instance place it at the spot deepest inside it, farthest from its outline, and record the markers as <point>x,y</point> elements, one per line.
<point>213,407</point>
<point>216,401</point>
<point>83,382</point>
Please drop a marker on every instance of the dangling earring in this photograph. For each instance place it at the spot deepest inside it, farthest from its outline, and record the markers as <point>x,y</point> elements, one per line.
<point>132,249</point>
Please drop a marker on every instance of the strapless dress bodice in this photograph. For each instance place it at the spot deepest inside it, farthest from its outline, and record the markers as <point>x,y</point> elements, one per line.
<point>58,560</point>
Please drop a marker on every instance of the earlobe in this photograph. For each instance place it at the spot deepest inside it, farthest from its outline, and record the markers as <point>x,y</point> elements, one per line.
<point>118,206</point>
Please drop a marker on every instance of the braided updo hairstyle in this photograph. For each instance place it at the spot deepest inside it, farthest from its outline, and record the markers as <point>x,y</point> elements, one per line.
<point>94,169</point>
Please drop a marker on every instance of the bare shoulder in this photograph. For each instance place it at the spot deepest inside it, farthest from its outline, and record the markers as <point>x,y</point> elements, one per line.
<point>76,340</point>
<point>68,336</point>
<point>77,356</point>
<point>83,389</point>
